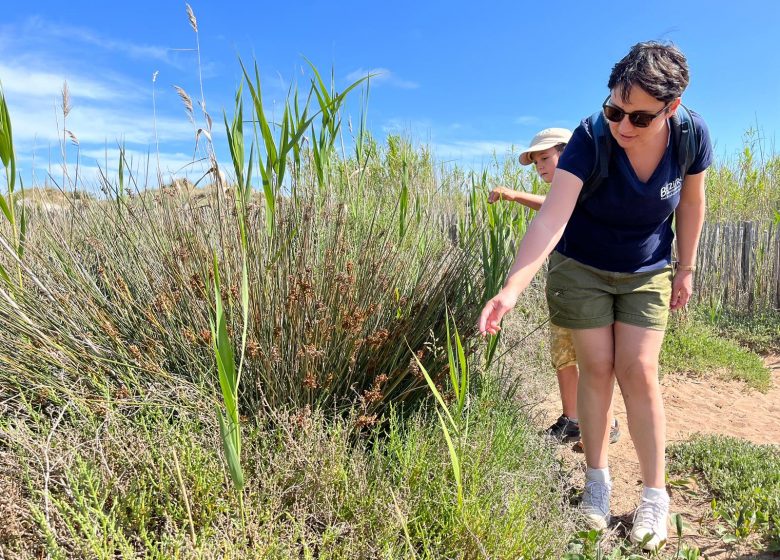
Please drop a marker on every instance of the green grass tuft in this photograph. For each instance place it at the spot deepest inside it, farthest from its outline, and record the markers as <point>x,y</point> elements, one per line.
<point>694,347</point>
<point>758,331</point>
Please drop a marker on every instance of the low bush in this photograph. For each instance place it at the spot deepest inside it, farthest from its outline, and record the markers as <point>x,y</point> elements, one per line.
<point>744,480</point>
<point>138,480</point>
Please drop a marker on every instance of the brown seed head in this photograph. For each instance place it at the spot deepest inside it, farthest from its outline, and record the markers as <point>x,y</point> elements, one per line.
<point>366,421</point>
<point>302,418</point>
<point>377,339</point>
<point>252,349</point>
<point>309,381</point>
<point>110,329</point>
<point>197,285</point>
<point>134,351</point>
<point>371,396</point>
<point>189,335</point>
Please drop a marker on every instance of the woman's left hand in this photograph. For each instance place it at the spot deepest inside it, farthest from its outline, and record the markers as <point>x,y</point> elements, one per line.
<point>682,288</point>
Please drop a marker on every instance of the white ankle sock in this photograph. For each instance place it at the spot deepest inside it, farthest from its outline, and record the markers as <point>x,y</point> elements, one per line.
<point>598,475</point>
<point>654,493</point>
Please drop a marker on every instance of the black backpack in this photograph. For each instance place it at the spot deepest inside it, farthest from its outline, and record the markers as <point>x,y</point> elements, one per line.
<point>683,137</point>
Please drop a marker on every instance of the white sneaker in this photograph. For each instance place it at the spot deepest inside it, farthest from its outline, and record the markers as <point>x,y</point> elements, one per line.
<point>650,522</point>
<point>595,503</point>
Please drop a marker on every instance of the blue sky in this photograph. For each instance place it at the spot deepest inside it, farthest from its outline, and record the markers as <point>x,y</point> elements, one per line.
<point>468,78</point>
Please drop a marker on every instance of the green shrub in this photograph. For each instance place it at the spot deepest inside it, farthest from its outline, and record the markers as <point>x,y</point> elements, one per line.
<point>137,480</point>
<point>746,188</point>
<point>744,480</point>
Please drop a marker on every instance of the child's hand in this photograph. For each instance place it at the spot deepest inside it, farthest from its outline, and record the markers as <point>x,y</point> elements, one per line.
<point>499,193</point>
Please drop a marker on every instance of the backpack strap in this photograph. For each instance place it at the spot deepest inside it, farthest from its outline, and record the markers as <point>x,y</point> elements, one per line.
<point>684,137</point>
<point>602,145</point>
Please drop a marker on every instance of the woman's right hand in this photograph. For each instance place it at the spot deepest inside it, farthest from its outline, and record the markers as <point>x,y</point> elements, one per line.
<point>494,311</point>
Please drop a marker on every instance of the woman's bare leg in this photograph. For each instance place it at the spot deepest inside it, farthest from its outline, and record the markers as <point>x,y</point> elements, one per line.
<point>595,357</point>
<point>636,370</point>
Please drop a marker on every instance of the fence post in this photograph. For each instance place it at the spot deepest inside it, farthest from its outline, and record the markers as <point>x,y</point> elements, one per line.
<point>777,267</point>
<point>731,288</point>
<point>747,262</point>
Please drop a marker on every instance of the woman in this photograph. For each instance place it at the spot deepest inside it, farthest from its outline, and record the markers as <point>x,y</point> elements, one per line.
<point>610,278</point>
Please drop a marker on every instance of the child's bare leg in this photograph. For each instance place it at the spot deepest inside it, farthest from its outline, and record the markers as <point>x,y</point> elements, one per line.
<point>567,385</point>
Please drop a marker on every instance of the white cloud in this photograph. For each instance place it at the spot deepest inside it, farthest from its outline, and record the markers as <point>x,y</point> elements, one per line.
<point>108,102</point>
<point>381,76</point>
<point>140,169</point>
<point>441,141</point>
<point>408,127</point>
<point>470,149</point>
<point>111,95</point>
<point>35,119</point>
<point>526,120</point>
<point>42,29</point>
<point>37,83</point>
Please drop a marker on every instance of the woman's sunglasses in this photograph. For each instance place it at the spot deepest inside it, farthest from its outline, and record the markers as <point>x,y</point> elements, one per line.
<point>639,119</point>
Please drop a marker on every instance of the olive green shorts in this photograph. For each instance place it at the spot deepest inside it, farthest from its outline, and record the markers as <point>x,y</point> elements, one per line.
<point>562,352</point>
<point>583,297</point>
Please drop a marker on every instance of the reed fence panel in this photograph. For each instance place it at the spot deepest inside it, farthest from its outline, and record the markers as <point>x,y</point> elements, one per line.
<point>739,265</point>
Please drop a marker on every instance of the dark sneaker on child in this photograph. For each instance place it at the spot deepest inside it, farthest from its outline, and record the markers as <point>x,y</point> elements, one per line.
<point>564,430</point>
<point>614,436</point>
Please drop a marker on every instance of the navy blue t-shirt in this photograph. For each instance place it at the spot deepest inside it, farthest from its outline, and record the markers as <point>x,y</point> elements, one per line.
<point>626,225</point>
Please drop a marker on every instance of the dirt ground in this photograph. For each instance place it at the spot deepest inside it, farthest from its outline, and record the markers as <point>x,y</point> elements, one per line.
<point>703,405</point>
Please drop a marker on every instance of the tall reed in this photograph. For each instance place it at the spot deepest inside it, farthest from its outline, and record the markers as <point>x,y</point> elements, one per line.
<point>8,204</point>
<point>229,380</point>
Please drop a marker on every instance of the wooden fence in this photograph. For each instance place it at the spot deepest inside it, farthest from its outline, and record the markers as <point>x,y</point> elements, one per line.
<point>739,265</point>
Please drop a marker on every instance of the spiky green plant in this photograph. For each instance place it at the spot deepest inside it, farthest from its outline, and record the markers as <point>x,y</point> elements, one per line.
<point>229,380</point>
<point>455,429</point>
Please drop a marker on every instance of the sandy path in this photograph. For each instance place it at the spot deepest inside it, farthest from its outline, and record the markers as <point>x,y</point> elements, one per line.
<point>709,406</point>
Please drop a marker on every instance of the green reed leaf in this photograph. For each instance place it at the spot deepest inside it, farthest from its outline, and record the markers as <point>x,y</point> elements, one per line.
<point>454,460</point>
<point>232,454</point>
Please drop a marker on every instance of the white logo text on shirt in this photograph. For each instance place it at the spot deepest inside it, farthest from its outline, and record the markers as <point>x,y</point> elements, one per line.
<point>671,188</point>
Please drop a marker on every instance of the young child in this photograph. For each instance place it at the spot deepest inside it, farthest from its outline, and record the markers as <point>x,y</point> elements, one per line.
<point>543,152</point>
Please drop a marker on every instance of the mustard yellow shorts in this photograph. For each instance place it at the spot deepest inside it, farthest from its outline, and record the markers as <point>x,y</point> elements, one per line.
<point>562,352</point>
<point>584,297</point>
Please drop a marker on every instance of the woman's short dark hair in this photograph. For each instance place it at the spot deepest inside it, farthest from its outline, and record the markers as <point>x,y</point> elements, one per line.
<point>659,69</point>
